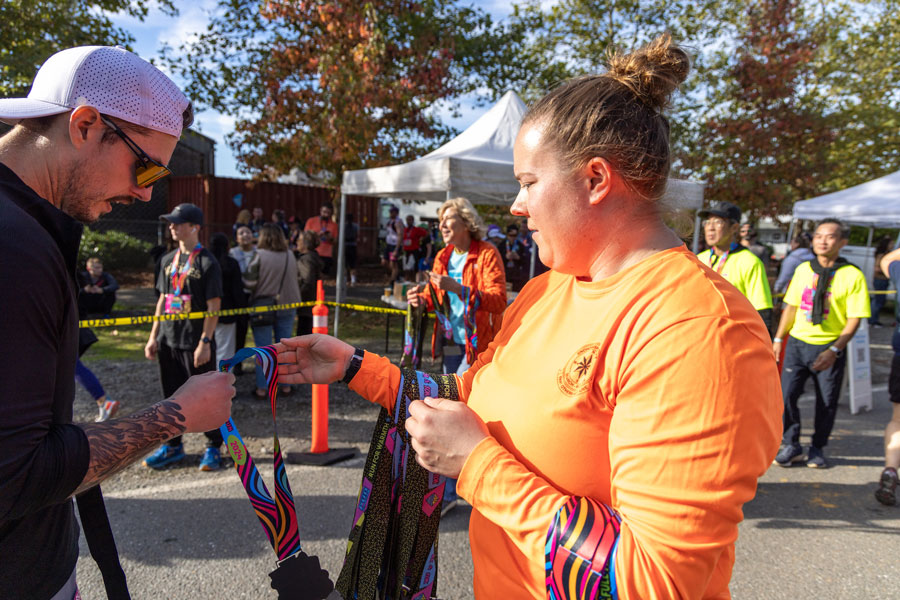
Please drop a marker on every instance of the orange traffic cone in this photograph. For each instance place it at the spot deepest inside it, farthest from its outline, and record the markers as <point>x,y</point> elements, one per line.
<point>319,391</point>
<point>319,453</point>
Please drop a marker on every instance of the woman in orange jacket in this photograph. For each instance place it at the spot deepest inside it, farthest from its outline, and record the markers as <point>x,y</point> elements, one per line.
<point>469,284</point>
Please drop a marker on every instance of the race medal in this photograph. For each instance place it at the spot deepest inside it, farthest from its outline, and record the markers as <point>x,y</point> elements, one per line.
<point>177,304</point>
<point>298,576</point>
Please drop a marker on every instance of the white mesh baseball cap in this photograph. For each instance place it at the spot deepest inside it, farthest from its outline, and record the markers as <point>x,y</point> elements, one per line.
<point>113,80</point>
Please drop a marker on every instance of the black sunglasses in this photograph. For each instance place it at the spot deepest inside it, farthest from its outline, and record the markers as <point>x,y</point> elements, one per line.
<point>148,171</point>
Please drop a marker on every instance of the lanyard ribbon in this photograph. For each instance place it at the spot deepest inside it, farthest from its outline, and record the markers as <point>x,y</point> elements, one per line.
<point>734,247</point>
<point>441,313</point>
<point>415,319</point>
<point>277,514</point>
<point>179,275</point>
<point>392,550</point>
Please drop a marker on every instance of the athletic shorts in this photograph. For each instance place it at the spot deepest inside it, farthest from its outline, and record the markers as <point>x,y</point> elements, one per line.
<point>894,380</point>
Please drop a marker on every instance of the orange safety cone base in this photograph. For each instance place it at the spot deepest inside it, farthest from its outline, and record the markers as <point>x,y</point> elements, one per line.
<point>320,459</point>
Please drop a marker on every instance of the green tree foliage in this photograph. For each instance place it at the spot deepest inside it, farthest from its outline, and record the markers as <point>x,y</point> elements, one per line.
<point>859,70</point>
<point>574,37</point>
<point>32,30</point>
<point>804,103</point>
<point>330,85</point>
<point>118,250</point>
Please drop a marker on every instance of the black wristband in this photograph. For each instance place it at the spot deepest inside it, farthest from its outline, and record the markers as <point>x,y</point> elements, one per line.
<point>355,364</point>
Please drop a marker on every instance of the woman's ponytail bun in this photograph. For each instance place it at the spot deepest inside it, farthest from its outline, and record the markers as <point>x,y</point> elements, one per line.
<point>618,115</point>
<point>653,72</point>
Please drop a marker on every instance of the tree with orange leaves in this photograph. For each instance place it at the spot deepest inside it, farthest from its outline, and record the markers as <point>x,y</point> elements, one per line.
<point>330,85</point>
<point>765,142</point>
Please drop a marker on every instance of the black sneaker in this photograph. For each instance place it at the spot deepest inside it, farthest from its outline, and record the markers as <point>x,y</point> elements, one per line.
<point>887,491</point>
<point>788,454</point>
<point>816,459</point>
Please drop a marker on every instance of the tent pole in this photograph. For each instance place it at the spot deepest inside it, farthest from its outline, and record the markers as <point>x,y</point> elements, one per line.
<point>339,284</point>
<point>790,235</point>
<point>695,245</point>
<point>869,245</point>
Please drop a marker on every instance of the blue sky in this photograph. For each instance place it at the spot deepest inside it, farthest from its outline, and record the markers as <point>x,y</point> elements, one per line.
<point>158,28</point>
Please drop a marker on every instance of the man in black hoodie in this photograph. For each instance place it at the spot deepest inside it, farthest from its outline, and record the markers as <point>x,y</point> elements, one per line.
<point>97,128</point>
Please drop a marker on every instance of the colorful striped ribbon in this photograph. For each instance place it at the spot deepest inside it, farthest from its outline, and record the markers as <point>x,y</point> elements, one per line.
<point>472,302</point>
<point>580,551</point>
<point>277,515</point>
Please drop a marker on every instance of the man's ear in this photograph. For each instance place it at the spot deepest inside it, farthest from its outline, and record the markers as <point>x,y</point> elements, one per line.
<point>601,174</point>
<point>85,125</point>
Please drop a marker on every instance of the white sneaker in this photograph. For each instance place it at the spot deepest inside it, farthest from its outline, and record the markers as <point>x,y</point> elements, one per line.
<point>107,411</point>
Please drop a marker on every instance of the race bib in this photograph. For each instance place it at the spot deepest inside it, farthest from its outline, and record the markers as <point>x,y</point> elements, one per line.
<point>178,303</point>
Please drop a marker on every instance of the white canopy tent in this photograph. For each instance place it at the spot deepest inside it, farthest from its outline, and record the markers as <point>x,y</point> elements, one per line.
<point>871,204</point>
<point>477,164</point>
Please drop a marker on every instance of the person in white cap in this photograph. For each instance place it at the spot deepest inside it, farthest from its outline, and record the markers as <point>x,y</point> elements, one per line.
<point>98,128</point>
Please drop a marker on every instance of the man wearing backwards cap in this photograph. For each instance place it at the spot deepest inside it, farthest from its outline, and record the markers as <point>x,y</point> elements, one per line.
<point>740,267</point>
<point>97,128</point>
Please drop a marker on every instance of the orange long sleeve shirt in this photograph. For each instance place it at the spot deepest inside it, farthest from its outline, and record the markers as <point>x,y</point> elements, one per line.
<point>653,391</point>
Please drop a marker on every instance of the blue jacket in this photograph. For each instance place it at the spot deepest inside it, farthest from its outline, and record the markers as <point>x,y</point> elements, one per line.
<point>789,265</point>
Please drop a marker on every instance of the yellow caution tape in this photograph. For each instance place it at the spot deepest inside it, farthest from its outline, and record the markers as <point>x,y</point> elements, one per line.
<point>871,293</point>
<point>371,309</point>
<point>141,319</point>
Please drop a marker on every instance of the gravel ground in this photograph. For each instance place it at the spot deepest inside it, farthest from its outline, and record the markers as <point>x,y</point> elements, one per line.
<point>136,385</point>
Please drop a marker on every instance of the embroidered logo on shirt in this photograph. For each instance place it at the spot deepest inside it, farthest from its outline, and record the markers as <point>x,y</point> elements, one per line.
<point>575,377</point>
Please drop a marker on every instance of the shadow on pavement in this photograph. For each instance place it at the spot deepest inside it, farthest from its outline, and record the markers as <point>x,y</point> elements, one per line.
<point>806,504</point>
<point>165,531</point>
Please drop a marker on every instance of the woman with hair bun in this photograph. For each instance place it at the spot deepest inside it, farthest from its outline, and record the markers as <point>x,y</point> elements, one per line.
<point>609,436</point>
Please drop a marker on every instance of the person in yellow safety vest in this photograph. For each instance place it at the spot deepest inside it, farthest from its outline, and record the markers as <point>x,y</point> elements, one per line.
<point>727,257</point>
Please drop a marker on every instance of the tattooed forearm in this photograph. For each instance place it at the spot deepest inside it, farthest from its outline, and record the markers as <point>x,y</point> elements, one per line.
<point>116,444</point>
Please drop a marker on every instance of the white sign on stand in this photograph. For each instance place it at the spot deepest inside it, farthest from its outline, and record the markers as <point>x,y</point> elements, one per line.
<point>860,369</point>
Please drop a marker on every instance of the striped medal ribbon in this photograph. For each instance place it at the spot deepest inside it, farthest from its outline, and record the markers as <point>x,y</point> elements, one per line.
<point>298,576</point>
<point>277,514</point>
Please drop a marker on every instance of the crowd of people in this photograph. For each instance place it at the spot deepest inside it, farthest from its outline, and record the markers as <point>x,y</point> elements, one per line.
<point>607,427</point>
<point>322,225</point>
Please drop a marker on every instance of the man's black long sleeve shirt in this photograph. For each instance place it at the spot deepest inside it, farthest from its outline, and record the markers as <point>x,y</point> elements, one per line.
<point>43,457</point>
